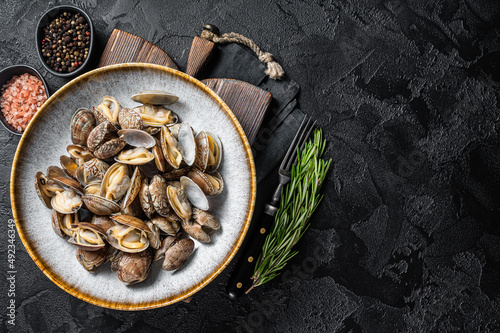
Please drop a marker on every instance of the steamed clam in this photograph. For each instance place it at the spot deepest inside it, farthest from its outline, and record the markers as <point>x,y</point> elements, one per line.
<point>209,151</point>
<point>116,182</point>
<point>46,188</point>
<point>155,97</point>
<point>66,202</point>
<point>82,123</point>
<point>129,235</point>
<point>135,156</point>
<point>87,236</point>
<point>170,148</point>
<point>132,268</point>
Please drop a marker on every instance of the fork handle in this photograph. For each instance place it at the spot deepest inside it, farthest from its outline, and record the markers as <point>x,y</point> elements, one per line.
<point>240,279</point>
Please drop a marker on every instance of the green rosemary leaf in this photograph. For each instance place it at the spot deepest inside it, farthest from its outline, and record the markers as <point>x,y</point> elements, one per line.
<point>299,199</point>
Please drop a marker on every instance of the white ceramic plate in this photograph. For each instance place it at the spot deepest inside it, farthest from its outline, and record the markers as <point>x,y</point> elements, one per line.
<point>46,139</point>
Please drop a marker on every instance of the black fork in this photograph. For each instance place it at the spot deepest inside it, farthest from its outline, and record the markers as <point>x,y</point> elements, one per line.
<point>241,276</point>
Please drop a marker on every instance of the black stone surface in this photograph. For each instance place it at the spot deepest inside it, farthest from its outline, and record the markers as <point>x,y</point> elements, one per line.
<point>407,238</point>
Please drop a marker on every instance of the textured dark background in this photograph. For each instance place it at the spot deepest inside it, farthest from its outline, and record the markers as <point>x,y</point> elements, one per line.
<point>407,238</point>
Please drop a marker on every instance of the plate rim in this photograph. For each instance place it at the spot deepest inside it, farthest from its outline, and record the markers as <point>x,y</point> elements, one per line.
<point>114,304</point>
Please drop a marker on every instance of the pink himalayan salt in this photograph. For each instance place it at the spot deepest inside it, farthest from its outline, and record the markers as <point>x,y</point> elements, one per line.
<point>21,98</point>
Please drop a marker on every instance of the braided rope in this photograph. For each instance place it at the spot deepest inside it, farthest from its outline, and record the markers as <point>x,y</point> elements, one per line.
<point>274,69</point>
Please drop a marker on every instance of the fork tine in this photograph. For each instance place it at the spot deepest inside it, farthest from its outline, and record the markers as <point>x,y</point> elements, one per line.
<point>291,149</point>
<point>304,135</point>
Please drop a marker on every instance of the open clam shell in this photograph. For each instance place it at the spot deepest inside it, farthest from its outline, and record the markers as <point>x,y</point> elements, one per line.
<point>130,235</point>
<point>133,189</point>
<point>92,171</point>
<point>69,165</point>
<point>99,205</point>
<point>82,123</point>
<point>210,184</point>
<point>46,188</point>
<point>137,138</point>
<point>88,236</point>
<point>208,151</point>
<point>116,182</point>
<point>187,142</point>
<point>70,184</point>
<point>155,97</point>
<point>179,202</point>
<point>153,235</point>
<point>109,108</point>
<point>79,153</point>
<point>194,193</point>
<point>66,202</point>
<point>170,148</point>
<point>92,260</point>
<point>63,223</point>
<point>156,116</point>
<point>160,162</point>
<point>135,156</point>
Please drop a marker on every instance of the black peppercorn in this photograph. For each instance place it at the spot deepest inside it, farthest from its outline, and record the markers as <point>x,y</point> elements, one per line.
<point>69,38</point>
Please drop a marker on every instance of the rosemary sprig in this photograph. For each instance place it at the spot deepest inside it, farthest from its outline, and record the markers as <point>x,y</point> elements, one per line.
<point>298,201</point>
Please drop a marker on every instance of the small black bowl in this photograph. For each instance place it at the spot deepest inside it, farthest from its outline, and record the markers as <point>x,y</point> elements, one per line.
<point>5,75</point>
<point>48,17</point>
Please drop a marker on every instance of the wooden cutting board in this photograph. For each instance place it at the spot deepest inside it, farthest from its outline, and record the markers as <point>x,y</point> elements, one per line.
<point>248,102</point>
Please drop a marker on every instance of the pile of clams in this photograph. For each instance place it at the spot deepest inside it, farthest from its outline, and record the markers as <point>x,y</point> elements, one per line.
<point>134,187</point>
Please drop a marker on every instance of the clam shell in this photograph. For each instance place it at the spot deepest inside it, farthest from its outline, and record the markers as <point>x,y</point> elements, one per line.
<point>99,205</point>
<point>153,235</point>
<point>82,123</point>
<point>134,188</point>
<point>135,156</point>
<point>103,132</point>
<point>99,116</point>
<point>196,231</point>
<point>156,116</point>
<point>169,225</point>
<point>45,188</point>
<point>110,148</point>
<point>158,192</point>
<point>61,204</point>
<point>133,268</point>
<point>177,254</point>
<point>92,171</point>
<point>205,219</point>
<point>92,260</point>
<point>79,153</point>
<point>116,182</point>
<point>145,199</point>
<point>69,165</point>
<point>131,222</point>
<point>170,148</point>
<point>137,138</point>
<point>78,240</point>
<point>69,183</point>
<point>165,244</point>
<point>160,162</point>
<point>129,119</point>
<point>210,184</point>
<point>179,203</point>
<point>194,193</point>
<point>139,237</point>
<point>156,97</point>
<point>187,143</point>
